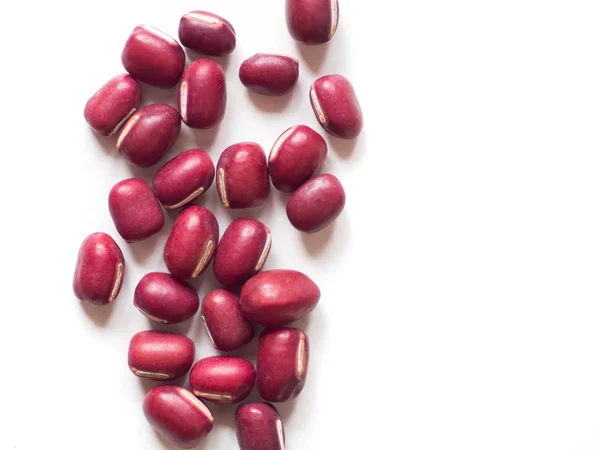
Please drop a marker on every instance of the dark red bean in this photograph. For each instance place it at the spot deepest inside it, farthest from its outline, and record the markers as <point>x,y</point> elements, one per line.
<point>336,107</point>
<point>224,322</point>
<point>281,364</point>
<point>242,176</point>
<point>191,245</point>
<point>269,74</point>
<point>165,299</point>
<point>312,21</point>
<point>176,414</point>
<point>242,251</point>
<point>259,427</point>
<point>184,178</point>
<point>278,297</point>
<point>99,270</point>
<point>297,155</point>
<point>134,210</point>
<point>160,355</point>
<point>110,107</point>
<point>206,33</point>
<point>316,204</point>
<point>153,57</point>
<point>222,379</point>
<point>202,94</point>
<point>149,134</point>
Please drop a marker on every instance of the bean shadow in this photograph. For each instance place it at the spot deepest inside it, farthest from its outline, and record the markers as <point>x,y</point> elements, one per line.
<point>99,314</point>
<point>107,144</point>
<point>193,55</point>
<point>144,173</point>
<point>204,138</point>
<point>153,95</point>
<point>316,243</point>
<point>272,104</point>
<point>181,328</point>
<point>343,147</point>
<point>263,212</point>
<point>313,55</point>
<point>146,384</point>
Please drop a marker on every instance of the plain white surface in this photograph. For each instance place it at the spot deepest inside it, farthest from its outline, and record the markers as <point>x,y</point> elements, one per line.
<point>461,302</point>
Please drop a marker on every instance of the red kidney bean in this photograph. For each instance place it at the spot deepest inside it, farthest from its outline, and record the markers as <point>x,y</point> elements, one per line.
<point>259,427</point>
<point>242,176</point>
<point>191,245</point>
<point>206,33</point>
<point>336,107</point>
<point>160,355</point>
<point>224,322</point>
<point>99,270</point>
<point>312,21</point>
<point>269,74</point>
<point>297,155</point>
<point>153,57</point>
<point>165,299</point>
<point>110,107</point>
<point>316,204</point>
<point>282,363</point>
<point>134,210</point>
<point>242,251</point>
<point>176,414</point>
<point>202,94</point>
<point>149,134</point>
<point>184,178</point>
<point>278,297</point>
<point>222,379</point>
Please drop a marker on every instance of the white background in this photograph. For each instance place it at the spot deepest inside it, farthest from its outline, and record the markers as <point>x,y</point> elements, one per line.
<point>461,296</point>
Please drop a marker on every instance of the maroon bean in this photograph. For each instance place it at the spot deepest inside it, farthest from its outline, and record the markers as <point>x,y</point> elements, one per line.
<point>281,364</point>
<point>110,107</point>
<point>184,178</point>
<point>176,414</point>
<point>160,355</point>
<point>202,94</point>
<point>149,134</point>
<point>222,379</point>
<point>242,251</point>
<point>153,57</point>
<point>99,270</point>
<point>259,427</point>
<point>224,322</point>
<point>206,33</point>
<point>191,245</point>
<point>336,107</point>
<point>297,155</point>
<point>134,210</point>
<point>165,299</point>
<point>242,176</point>
<point>312,21</point>
<point>316,204</point>
<point>269,74</point>
<point>278,297</point>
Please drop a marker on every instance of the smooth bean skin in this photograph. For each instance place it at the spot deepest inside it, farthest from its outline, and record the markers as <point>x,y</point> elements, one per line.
<point>110,107</point>
<point>312,22</point>
<point>269,74</point>
<point>134,210</point>
<point>160,355</point>
<point>202,96</point>
<point>149,134</point>
<point>184,178</point>
<point>224,322</point>
<point>278,297</point>
<point>282,363</point>
<point>164,299</point>
<point>242,251</point>
<point>222,379</point>
<point>336,107</point>
<point>178,415</point>
<point>153,57</point>
<point>192,243</point>
<point>296,156</point>
<point>206,33</point>
<point>99,270</point>
<point>243,176</point>
<point>316,204</point>
<point>259,427</point>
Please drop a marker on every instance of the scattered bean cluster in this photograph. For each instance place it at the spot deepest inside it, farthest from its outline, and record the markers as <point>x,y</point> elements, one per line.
<point>271,299</point>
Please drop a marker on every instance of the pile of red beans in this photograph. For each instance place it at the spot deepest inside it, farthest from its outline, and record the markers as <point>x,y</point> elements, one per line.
<point>271,299</point>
